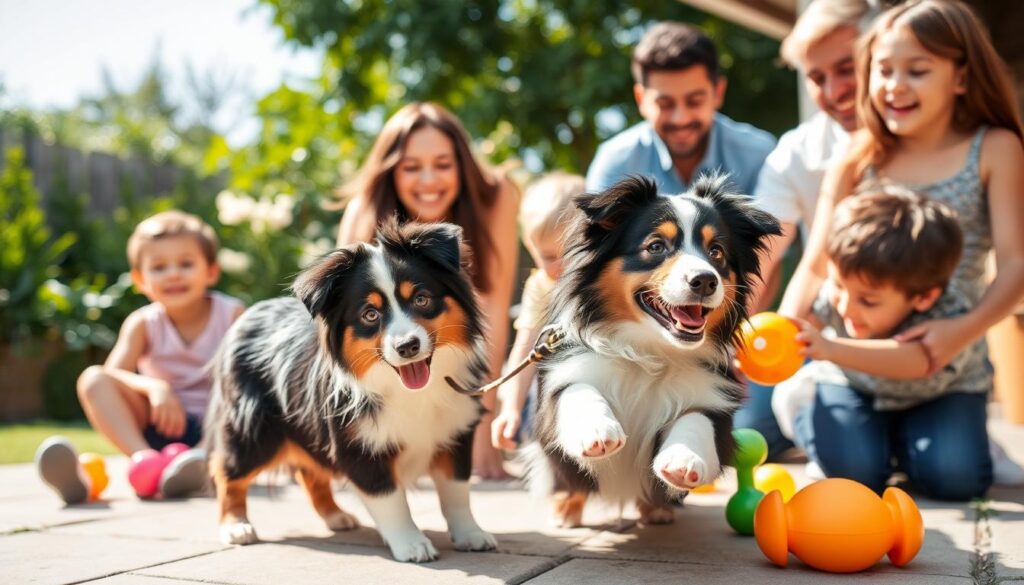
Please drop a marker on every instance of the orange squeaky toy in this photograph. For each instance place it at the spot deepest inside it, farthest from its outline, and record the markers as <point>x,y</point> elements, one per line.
<point>769,352</point>
<point>840,526</point>
<point>96,470</point>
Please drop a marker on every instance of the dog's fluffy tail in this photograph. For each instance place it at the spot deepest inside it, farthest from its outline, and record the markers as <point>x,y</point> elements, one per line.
<point>540,479</point>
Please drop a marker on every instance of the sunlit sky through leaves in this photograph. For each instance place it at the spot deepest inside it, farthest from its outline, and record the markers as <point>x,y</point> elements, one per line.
<point>52,51</point>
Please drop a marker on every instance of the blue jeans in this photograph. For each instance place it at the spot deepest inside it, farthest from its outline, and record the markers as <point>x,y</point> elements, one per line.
<point>756,413</point>
<point>942,445</point>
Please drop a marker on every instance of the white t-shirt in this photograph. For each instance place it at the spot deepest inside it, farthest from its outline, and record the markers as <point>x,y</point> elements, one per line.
<point>534,304</point>
<point>791,177</point>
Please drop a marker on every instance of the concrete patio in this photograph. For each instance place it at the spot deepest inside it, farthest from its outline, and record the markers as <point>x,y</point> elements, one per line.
<point>124,540</point>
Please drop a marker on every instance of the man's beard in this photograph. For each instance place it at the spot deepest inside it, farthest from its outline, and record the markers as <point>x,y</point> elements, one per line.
<point>692,151</point>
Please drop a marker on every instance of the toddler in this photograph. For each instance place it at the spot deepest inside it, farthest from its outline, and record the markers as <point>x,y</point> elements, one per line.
<point>543,216</point>
<point>890,255</point>
<point>152,391</point>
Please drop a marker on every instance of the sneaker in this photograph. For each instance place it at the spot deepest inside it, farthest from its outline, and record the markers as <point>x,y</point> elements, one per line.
<point>57,463</point>
<point>1005,471</point>
<point>185,474</point>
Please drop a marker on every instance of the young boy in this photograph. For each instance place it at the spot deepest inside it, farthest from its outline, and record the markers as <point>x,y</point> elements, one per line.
<point>543,215</point>
<point>153,389</point>
<point>866,399</point>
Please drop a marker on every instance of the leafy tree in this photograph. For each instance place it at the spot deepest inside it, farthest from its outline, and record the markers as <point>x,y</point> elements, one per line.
<point>542,79</point>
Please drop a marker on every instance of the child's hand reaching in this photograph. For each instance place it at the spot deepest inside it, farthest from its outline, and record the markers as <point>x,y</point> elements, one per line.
<point>815,346</point>
<point>165,411</point>
<point>504,429</point>
<point>943,339</point>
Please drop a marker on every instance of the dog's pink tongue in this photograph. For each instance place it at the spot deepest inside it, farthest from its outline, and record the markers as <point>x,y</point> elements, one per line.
<point>688,316</point>
<point>415,375</point>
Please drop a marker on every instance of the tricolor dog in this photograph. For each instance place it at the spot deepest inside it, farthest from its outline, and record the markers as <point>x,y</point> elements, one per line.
<point>347,380</point>
<point>638,405</point>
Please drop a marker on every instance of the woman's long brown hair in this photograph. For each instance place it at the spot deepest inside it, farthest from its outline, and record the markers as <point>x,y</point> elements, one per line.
<point>374,184</point>
<point>949,29</point>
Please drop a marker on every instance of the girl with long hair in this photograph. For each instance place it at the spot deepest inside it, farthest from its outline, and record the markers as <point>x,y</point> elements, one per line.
<point>938,115</point>
<point>421,168</point>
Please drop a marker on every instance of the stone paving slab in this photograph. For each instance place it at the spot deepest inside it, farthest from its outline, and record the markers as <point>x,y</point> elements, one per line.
<point>137,579</point>
<point>302,561</point>
<point>1007,525</point>
<point>287,514</point>
<point>123,540</point>
<point>45,557</point>
<point>615,572</point>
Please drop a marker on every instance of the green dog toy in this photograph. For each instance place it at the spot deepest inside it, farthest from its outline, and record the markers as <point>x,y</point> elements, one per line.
<point>751,451</point>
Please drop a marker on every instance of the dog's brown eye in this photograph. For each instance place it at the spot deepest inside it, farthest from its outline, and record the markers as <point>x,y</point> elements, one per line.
<point>371,315</point>
<point>716,253</point>
<point>657,247</point>
<point>421,300</point>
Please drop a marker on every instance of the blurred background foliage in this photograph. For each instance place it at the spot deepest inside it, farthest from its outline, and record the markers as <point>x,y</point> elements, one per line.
<point>537,81</point>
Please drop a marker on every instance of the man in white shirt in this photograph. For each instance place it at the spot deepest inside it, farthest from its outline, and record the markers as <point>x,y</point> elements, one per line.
<point>821,48</point>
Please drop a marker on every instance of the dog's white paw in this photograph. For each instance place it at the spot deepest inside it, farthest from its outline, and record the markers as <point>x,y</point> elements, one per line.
<point>680,467</point>
<point>341,520</point>
<point>657,515</point>
<point>412,547</point>
<point>594,439</point>
<point>473,539</point>
<point>238,533</point>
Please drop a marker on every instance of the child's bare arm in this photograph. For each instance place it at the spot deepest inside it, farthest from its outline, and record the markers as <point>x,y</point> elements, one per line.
<point>166,412</point>
<point>885,358</point>
<point>129,347</point>
<point>512,394</point>
<point>803,287</point>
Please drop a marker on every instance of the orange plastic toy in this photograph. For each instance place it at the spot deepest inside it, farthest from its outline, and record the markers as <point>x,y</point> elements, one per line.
<point>769,352</point>
<point>96,470</point>
<point>840,526</point>
<point>707,488</point>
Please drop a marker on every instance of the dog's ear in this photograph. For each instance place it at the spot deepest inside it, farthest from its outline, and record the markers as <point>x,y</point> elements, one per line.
<point>318,284</point>
<point>608,209</point>
<point>749,225</point>
<point>439,244</point>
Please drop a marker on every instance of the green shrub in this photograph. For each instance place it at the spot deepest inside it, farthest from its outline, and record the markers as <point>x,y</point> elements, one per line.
<point>29,255</point>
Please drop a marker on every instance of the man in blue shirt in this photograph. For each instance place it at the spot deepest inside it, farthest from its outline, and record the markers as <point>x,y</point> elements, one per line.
<point>678,90</point>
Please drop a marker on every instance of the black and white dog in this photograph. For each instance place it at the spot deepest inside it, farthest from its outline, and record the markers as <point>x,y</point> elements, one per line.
<point>639,404</point>
<point>348,380</point>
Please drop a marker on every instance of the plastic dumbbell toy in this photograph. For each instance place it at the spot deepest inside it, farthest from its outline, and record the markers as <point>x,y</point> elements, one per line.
<point>772,476</point>
<point>96,471</point>
<point>840,526</point>
<point>751,451</point>
<point>769,352</point>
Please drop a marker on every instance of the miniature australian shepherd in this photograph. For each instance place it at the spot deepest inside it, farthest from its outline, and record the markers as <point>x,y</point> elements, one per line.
<point>637,406</point>
<point>348,380</point>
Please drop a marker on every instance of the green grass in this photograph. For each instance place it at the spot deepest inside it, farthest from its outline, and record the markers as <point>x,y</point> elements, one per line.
<point>18,441</point>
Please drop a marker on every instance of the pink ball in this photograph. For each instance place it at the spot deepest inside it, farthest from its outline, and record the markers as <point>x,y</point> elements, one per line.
<point>144,472</point>
<point>173,450</point>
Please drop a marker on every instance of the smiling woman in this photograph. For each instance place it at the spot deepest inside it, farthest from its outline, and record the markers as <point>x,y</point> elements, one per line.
<point>421,169</point>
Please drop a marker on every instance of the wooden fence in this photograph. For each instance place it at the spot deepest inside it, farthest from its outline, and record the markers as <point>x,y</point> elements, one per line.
<point>107,179</point>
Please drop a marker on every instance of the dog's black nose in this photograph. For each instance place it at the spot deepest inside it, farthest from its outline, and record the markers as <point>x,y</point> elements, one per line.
<point>408,346</point>
<point>704,283</point>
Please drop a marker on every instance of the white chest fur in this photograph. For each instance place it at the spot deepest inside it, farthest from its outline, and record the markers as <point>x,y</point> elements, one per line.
<point>645,401</point>
<point>419,422</point>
